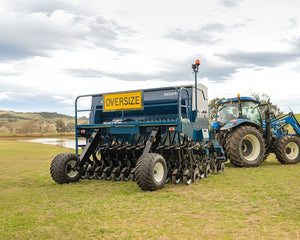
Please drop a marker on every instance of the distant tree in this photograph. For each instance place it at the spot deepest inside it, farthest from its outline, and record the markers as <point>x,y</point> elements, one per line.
<point>28,127</point>
<point>4,129</point>
<point>264,98</point>
<point>52,115</point>
<point>60,126</point>
<point>70,127</point>
<point>213,108</point>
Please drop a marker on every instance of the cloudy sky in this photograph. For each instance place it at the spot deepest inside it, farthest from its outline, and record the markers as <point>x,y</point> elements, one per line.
<point>54,50</point>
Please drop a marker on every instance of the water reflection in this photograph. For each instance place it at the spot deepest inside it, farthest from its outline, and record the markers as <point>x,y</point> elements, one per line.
<point>64,142</point>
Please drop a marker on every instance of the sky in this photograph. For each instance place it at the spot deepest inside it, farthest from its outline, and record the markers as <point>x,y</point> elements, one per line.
<point>51,51</point>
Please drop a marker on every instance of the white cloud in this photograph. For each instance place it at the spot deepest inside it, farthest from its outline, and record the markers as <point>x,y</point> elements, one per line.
<point>51,51</point>
<point>4,95</point>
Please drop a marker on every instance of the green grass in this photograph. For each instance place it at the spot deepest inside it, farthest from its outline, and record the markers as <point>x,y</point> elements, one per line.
<point>254,203</point>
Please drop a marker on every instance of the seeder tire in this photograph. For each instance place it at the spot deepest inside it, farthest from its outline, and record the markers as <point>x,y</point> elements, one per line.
<point>287,150</point>
<point>151,172</point>
<point>62,168</point>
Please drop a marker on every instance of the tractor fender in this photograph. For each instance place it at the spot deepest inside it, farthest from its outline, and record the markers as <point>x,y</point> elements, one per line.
<point>215,125</point>
<point>238,122</point>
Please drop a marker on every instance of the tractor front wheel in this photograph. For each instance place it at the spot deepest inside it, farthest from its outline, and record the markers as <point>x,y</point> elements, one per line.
<point>63,168</point>
<point>287,150</point>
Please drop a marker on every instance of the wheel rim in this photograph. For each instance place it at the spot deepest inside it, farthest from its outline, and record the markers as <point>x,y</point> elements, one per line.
<point>70,172</point>
<point>250,147</point>
<point>158,172</point>
<point>292,150</point>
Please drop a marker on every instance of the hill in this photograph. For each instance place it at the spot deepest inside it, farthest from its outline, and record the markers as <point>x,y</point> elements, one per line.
<point>36,122</point>
<point>41,122</point>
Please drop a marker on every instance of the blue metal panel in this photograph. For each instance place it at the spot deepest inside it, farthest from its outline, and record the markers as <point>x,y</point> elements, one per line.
<point>236,122</point>
<point>124,130</point>
<point>164,107</point>
<point>215,125</point>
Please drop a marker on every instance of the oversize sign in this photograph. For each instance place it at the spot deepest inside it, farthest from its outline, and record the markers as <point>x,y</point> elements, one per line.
<point>123,101</point>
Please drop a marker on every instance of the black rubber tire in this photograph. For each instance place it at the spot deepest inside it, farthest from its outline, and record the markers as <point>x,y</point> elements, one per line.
<point>151,172</point>
<point>221,167</point>
<point>213,167</point>
<point>61,168</point>
<point>245,147</point>
<point>207,170</point>
<point>287,150</point>
<point>196,175</point>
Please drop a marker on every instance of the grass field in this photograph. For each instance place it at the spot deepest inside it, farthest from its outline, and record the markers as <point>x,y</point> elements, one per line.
<point>255,203</point>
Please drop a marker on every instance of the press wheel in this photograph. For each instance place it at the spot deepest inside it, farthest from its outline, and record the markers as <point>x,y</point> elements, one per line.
<point>196,175</point>
<point>175,176</point>
<point>125,174</point>
<point>107,173</point>
<point>187,177</point>
<point>116,174</point>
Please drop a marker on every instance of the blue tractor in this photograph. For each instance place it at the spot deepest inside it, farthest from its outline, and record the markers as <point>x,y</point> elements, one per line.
<point>248,139</point>
<point>150,136</point>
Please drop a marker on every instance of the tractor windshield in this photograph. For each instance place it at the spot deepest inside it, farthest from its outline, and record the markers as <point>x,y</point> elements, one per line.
<point>231,110</point>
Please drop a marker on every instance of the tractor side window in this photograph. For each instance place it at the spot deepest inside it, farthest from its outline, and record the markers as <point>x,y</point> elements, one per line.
<point>250,111</point>
<point>228,112</point>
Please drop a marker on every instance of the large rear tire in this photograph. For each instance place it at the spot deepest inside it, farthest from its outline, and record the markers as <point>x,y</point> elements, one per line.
<point>151,172</point>
<point>245,147</point>
<point>287,150</point>
<point>63,170</point>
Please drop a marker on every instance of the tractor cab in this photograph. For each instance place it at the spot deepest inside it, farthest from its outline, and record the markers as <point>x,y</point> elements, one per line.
<point>237,110</point>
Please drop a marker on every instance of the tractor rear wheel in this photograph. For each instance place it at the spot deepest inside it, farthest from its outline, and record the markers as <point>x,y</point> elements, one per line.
<point>245,147</point>
<point>287,150</point>
<point>151,172</point>
<point>63,168</point>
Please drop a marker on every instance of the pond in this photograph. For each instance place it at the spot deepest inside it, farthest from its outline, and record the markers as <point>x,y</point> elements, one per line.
<point>64,142</point>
